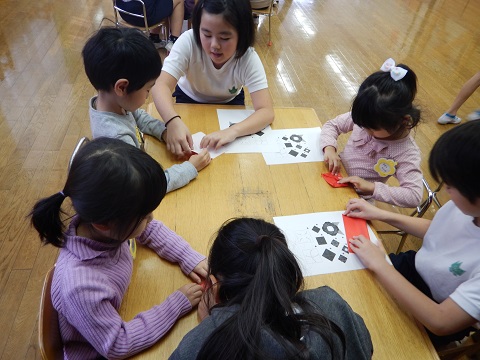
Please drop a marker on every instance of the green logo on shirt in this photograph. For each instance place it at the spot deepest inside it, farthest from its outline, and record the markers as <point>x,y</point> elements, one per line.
<point>455,269</point>
<point>233,90</point>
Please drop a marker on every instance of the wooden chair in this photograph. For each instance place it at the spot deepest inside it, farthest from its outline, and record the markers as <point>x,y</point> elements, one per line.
<point>267,11</point>
<point>419,211</point>
<point>49,338</point>
<point>163,24</point>
<point>464,350</point>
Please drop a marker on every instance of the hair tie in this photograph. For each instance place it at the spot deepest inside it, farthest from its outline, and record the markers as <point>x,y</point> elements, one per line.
<point>396,72</point>
<point>260,238</point>
<point>172,118</point>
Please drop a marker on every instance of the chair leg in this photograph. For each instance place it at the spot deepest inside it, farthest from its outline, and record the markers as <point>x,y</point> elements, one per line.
<point>435,200</point>
<point>402,242</point>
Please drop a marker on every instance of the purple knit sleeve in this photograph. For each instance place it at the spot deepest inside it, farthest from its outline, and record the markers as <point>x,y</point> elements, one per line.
<point>342,124</point>
<point>89,308</point>
<point>170,246</point>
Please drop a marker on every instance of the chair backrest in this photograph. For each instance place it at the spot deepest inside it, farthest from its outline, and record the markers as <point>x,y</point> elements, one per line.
<point>120,22</point>
<point>143,15</point>
<point>49,338</point>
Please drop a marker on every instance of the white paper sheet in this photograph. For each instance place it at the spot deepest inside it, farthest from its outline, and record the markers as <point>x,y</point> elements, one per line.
<point>319,243</point>
<point>296,146</point>
<point>255,143</point>
<point>228,117</point>
<point>197,138</point>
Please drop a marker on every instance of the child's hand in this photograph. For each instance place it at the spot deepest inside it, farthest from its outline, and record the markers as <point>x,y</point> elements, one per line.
<point>193,292</point>
<point>209,299</point>
<point>360,208</point>
<point>200,160</point>
<point>178,138</point>
<point>218,138</point>
<point>199,272</point>
<point>332,159</point>
<point>361,186</point>
<point>370,254</point>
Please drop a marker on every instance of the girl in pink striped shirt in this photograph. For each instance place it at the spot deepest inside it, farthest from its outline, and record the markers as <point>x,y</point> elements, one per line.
<point>380,146</point>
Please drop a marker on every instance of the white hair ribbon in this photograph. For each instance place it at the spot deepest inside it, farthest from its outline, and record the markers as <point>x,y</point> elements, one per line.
<point>397,73</point>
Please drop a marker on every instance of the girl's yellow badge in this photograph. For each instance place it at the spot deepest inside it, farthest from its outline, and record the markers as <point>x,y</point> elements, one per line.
<point>385,167</point>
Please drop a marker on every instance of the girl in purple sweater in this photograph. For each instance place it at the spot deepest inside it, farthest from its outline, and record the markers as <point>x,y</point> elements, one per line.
<point>114,187</point>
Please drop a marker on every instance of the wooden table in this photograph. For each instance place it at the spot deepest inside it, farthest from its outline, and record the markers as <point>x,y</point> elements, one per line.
<point>243,185</point>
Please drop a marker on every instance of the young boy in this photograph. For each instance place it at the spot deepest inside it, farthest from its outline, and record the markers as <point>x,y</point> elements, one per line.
<point>439,285</point>
<point>122,65</point>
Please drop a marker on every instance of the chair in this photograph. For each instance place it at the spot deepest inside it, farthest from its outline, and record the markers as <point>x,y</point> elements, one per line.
<point>419,211</point>
<point>49,338</point>
<point>163,24</point>
<point>80,143</point>
<point>464,350</point>
<point>267,11</point>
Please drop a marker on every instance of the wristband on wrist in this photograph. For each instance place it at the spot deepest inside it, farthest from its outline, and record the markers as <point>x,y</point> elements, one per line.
<point>167,122</point>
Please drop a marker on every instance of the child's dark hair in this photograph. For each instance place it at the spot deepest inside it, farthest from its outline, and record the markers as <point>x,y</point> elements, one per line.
<point>455,157</point>
<point>120,53</point>
<point>111,183</point>
<point>257,272</point>
<point>237,13</point>
<point>383,103</point>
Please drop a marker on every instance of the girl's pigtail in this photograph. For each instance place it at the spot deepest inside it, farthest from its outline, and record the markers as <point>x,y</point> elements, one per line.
<point>45,218</point>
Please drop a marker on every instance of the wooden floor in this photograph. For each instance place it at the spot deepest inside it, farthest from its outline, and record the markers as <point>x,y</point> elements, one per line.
<point>322,50</point>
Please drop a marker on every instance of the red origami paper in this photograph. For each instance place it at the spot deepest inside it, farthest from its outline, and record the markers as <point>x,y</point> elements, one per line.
<point>354,227</point>
<point>332,180</point>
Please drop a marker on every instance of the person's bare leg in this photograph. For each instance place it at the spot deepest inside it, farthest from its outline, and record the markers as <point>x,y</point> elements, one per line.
<point>176,19</point>
<point>465,92</point>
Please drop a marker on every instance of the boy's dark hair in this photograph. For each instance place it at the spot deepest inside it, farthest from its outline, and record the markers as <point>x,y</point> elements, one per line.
<point>120,53</point>
<point>237,13</point>
<point>258,273</point>
<point>110,182</point>
<point>383,103</point>
<point>455,159</point>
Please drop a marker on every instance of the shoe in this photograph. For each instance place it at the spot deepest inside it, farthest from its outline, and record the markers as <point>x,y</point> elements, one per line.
<point>169,45</point>
<point>474,115</point>
<point>159,44</point>
<point>448,119</point>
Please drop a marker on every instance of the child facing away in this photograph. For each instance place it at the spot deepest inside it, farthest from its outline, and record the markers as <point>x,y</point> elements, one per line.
<point>114,187</point>
<point>211,63</point>
<point>255,309</point>
<point>122,65</point>
<point>380,146</point>
<point>439,285</point>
